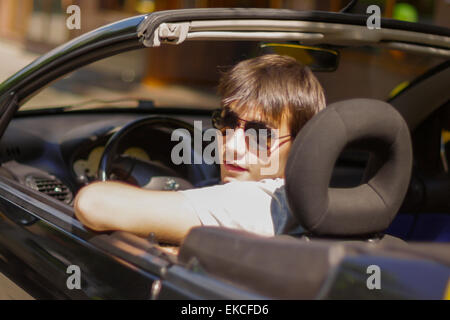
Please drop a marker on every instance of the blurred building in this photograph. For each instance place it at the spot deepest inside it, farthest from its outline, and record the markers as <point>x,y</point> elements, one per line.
<point>40,25</point>
<point>39,22</point>
<point>13,18</point>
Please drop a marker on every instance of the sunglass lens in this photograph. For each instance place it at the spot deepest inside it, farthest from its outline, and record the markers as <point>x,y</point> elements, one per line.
<point>225,119</point>
<point>217,119</point>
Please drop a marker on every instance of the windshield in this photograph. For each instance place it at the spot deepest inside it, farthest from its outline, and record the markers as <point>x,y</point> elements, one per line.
<point>186,76</point>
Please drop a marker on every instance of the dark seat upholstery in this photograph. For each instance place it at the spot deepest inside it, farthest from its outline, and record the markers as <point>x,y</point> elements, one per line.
<point>273,267</point>
<point>369,208</point>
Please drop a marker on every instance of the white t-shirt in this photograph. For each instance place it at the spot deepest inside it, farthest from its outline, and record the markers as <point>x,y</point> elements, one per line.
<point>254,206</point>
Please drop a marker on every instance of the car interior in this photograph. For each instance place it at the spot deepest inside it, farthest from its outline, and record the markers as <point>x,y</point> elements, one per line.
<point>359,173</point>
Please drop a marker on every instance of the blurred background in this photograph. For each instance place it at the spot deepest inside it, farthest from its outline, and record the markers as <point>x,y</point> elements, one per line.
<point>34,23</point>
<point>29,28</point>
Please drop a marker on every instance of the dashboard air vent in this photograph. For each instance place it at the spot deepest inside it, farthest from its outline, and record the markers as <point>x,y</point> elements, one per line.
<point>51,186</point>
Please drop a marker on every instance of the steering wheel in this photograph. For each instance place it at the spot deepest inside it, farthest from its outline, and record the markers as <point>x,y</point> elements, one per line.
<point>146,174</point>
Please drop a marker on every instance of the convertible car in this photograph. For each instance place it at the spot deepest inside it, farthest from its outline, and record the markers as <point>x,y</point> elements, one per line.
<point>368,177</point>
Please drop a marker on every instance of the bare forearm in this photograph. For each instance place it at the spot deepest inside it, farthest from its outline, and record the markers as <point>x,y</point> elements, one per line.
<point>116,206</point>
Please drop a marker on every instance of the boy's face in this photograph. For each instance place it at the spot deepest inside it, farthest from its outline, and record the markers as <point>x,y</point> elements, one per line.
<point>242,160</point>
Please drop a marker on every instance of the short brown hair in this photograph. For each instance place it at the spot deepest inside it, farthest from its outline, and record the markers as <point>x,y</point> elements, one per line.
<point>275,86</point>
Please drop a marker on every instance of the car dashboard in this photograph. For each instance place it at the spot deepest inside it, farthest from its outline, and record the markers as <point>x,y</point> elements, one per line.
<point>58,154</point>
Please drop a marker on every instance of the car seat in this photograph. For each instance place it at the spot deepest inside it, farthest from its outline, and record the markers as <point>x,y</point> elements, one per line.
<point>356,217</point>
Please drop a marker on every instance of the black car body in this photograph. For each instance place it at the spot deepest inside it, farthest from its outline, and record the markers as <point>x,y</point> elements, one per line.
<point>40,238</point>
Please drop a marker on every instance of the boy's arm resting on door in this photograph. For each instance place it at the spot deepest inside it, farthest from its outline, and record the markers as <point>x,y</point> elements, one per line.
<point>105,206</point>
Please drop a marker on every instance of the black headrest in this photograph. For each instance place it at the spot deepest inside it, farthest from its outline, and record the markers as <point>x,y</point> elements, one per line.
<point>369,208</point>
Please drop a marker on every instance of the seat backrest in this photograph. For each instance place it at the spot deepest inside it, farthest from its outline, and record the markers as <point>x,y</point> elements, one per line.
<point>358,212</point>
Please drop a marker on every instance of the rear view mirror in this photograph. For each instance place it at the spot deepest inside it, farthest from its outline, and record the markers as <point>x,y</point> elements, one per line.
<point>316,58</point>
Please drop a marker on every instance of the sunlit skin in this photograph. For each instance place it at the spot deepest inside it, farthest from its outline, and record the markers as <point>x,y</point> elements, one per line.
<point>247,165</point>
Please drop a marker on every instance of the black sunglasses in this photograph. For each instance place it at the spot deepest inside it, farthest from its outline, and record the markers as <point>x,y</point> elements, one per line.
<point>257,133</point>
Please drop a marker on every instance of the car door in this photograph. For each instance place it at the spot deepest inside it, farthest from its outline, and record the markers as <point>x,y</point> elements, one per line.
<point>44,251</point>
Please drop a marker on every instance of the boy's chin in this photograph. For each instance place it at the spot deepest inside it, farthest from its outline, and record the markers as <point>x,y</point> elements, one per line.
<point>227,179</point>
<point>246,177</point>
